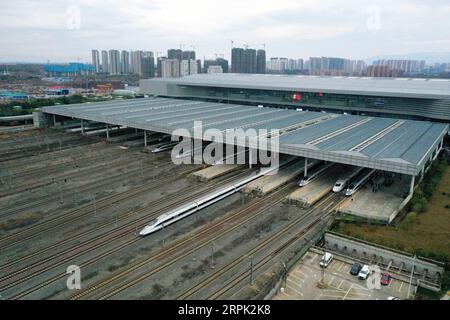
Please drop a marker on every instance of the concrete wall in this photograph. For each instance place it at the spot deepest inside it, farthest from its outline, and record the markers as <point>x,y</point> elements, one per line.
<point>42,120</point>
<point>350,246</point>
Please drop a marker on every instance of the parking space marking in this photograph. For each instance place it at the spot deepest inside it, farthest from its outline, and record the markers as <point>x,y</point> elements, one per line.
<point>351,286</point>
<point>292,288</point>
<point>340,284</point>
<point>400,288</point>
<point>297,277</point>
<point>292,283</point>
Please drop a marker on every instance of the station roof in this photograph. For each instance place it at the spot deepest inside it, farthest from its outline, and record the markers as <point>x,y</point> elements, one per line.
<point>391,87</point>
<point>395,145</point>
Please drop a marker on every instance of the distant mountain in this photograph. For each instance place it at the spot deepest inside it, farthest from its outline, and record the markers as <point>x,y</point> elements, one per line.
<point>429,57</point>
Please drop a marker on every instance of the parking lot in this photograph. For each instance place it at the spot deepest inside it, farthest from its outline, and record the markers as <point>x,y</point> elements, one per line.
<point>302,283</point>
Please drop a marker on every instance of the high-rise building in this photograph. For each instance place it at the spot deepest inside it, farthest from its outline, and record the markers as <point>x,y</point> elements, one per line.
<point>261,61</point>
<point>147,65</point>
<point>188,55</point>
<point>199,66</point>
<point>406,66</point>
<point>277,65</point>
<point>184,68</point>
<point>250,61</point>
<point>223,63</point>
<point>335,66</point>
<point>188,67</point>
<point>125,62</point>
<point>96,60</point>
<point>114,61</point>
<point>136,62</point>
<point>237,60</point>
<point>105,61</point>
<point>170,68</point>
<point>159,66</point>
<point>243,60</point>
<point>212,69</point>
<point>175,54</point>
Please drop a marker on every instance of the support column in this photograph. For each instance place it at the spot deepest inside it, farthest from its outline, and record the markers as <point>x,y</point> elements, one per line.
<point>54,120</point>
<point>82,126</point>
<point>306,167</point>
<point>145,137</point>
<point>250,158</point>
<point>107,131</point>
<point>411,187</point>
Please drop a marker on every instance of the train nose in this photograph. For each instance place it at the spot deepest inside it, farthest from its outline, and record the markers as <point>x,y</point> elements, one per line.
<point>144,231</point>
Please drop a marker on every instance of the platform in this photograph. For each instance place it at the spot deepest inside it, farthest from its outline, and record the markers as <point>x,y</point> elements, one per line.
<point>314,191</point>
<point>382,205</point>
<point>266,184</point>
<point>213,172</point>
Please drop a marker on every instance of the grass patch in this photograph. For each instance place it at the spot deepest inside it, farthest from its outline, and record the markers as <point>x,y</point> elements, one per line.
<point>425,232</point>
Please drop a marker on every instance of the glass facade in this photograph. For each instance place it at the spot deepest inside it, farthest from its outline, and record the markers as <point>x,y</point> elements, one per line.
<point>410,108</point>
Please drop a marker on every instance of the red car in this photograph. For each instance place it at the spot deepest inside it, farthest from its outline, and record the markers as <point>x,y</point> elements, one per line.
<point>385,279</point>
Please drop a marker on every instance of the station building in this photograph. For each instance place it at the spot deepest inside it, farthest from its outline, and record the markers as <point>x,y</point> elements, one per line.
<point>406,98</point>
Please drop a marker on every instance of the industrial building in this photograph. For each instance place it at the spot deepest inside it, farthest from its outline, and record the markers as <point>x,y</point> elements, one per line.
<point>420,99</point>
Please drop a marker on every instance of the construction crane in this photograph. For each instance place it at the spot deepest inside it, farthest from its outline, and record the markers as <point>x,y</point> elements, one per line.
<point>264,46</point>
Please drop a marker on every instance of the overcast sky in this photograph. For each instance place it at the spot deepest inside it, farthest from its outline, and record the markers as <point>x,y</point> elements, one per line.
<point>62,31</point>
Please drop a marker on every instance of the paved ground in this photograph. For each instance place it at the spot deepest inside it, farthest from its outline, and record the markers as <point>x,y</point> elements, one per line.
<point>302,283</point>
<point>315,190</point>
<point>378,205</point>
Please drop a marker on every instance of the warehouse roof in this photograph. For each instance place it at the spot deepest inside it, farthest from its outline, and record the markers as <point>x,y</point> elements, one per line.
<point>387,144</point>
<point>397,87</point>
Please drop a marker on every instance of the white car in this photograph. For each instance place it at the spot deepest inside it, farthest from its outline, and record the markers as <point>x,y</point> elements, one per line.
<point>326,260</point>
<point>364,272</point>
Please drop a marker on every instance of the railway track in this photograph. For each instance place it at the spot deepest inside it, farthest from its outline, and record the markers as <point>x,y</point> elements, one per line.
<point>237,277</point>
<point>185,246</point>
<point>62,162</point>
<point>71,174</point>
<point>104,239</point>
<point>68,217</point>
<point>114,165</point>
<point>26,204</point>
<point>30,151</point>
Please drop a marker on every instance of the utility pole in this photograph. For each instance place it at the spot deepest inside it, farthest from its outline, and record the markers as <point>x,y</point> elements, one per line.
<point>285,274</point>
<point>212,255</point>
<point>251,270</point>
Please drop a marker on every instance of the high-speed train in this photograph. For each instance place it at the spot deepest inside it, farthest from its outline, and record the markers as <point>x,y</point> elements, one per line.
<point>360,181</point>
<point>192,207</point>
<point>163,147</point>
<point>343,180</point>
<point>314,175</point>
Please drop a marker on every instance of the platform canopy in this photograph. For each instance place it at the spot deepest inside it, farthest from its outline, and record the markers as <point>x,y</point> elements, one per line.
<point>402,146</point>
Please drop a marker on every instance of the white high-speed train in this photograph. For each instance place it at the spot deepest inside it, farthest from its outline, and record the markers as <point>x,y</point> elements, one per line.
<point>355,185</point>
<point>314,175</point>
<point>192,207</point>
<point>343,180</point>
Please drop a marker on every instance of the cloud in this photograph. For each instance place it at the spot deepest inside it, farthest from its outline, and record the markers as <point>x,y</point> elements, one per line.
<point>290,28</point>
